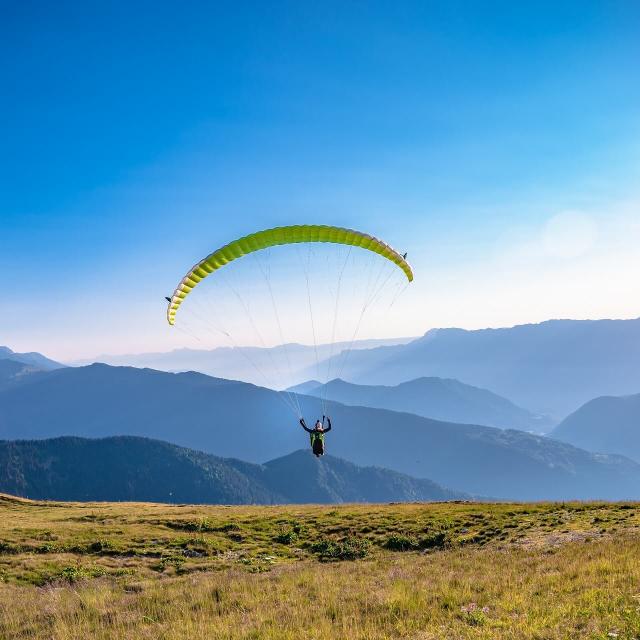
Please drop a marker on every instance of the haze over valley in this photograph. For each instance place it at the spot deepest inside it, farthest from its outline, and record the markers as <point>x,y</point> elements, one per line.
<point>467,439</point>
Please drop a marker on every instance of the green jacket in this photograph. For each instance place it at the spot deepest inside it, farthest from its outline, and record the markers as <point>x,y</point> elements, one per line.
<point>313,434</point>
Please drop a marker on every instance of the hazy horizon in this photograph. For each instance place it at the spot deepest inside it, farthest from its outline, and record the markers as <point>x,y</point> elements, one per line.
<point>361,342</point>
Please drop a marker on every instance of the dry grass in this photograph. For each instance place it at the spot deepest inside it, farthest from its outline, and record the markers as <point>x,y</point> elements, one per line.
<point>470,571</point>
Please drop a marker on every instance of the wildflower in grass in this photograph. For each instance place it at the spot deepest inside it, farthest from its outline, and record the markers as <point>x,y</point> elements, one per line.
<point>473,614</point>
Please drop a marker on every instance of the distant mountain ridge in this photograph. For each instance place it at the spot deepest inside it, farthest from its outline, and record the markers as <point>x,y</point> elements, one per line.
<point>265,366</point>
<point>239,420</point>
<point>608,424</point>
<point>139,469</point>
<point>438,398</point>
<point>552,367</point>
<point>32,359</point>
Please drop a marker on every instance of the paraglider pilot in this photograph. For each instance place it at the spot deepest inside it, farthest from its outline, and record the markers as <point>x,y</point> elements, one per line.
<point>317,434</point>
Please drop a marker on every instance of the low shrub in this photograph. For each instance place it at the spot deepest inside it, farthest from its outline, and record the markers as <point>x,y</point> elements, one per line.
<point>435,540</point>
<point>49,547</point>
<point>203,525</point>
<point>102,546</point>
<point>286,535</point>
<point>408,542</point>
<point>399,542</point>
<point>350,548</point>
<point>74,573</point>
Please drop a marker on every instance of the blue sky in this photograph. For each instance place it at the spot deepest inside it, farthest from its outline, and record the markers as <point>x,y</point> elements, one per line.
<point>497,142</point>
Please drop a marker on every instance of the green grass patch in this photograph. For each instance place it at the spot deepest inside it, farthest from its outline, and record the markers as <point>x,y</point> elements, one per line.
<point>350,548</point>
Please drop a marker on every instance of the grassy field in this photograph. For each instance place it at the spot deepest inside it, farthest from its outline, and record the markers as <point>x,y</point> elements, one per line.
<point>420,571</point>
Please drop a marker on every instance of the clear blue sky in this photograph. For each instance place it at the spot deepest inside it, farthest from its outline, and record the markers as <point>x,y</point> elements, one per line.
<point>137,137</point>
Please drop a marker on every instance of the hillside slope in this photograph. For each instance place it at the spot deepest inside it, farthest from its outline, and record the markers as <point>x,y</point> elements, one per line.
<point>139,469</point>
<point>303,478</point>
<point>607,424</point>
<point>13,372</point>
<point>141,571</point>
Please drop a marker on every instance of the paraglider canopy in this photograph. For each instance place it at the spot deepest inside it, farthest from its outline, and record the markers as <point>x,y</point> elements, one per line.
<point>278,236</point>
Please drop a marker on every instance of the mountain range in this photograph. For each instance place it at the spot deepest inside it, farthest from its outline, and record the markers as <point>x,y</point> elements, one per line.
<point>439,398</point>
<point>276,367</point>
<point>139,469</point>
<point>552,368</point>
<point>31,359</point>
<point>239,420</point>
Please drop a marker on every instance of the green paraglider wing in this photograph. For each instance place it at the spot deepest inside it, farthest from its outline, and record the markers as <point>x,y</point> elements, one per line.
<point>272,237</point>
